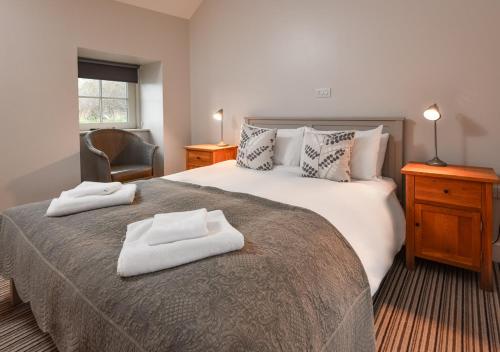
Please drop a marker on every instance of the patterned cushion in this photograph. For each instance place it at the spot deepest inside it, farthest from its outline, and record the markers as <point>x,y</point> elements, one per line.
<point>327,155</point>
<point>256,147</point>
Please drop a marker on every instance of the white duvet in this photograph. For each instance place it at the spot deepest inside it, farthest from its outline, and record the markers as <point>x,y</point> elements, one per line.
<point>367,213</point>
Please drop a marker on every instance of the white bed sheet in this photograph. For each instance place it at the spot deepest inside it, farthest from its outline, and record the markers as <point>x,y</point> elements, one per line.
<point>367,213</point>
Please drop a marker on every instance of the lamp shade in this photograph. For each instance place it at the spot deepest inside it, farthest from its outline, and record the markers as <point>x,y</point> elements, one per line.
<point>432,113</point>
<point>218,115</point>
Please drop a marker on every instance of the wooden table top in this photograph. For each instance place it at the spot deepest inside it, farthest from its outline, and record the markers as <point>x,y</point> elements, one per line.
<point>472,173</point>
<point>208,147</point>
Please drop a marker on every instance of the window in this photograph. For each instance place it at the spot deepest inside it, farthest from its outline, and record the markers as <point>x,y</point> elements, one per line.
<point>107,94</point>
<point>104,104</point>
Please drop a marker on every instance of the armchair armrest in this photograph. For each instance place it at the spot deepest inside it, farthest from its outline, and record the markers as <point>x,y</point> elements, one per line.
<point>95,165</point>
<point>139,152</point>
<point>154,163</point>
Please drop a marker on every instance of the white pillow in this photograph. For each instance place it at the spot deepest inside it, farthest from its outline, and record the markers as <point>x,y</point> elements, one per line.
<point>384,139</point>
<point>365,154</point>
<point>287,148</point>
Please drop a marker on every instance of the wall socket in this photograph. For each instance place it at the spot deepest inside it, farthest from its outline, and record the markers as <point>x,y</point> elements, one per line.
<point>323,92</point>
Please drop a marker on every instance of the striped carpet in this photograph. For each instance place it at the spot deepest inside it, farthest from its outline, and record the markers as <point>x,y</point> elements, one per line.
<point>18,329</point>
<point>434,308</point>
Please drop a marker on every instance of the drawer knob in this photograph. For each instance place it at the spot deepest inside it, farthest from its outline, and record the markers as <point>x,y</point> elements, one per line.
<point>200,158</point>
<point>446,191</point>
<point>417,224</point>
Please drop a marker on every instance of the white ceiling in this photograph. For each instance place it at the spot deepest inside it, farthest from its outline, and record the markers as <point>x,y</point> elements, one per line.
<point>179,8</point>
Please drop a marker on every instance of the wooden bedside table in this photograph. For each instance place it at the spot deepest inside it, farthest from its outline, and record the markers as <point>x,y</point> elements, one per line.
<point>449,216</point>
<point>208,154</point>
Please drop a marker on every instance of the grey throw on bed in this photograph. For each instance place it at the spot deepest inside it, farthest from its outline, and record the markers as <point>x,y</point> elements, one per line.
<point>297,285</point>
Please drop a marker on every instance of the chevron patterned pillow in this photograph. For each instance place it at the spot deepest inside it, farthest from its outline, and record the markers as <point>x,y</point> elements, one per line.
<point>256,147</point>
<point>327,155</point>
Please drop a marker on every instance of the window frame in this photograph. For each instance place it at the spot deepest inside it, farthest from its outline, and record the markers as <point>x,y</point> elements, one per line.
<point>132,120</point>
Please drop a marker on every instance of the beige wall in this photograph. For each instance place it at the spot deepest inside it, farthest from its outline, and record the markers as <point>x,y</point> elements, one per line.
<point>39,140</point>
<point>254,57</point>
<point>381,58</point>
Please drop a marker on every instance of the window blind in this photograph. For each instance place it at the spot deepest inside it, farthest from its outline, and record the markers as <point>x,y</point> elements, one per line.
<point>107,70</point>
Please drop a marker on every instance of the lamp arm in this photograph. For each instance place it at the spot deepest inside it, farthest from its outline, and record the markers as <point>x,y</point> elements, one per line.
<point>222,128</point>
<point>435,139</point>
<point>432,113</point>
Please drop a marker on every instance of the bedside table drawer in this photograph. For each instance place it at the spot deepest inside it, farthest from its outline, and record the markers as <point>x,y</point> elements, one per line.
<point>199,158</point>
<point>208,154</point>
<point>446,191</point>
<point>226,154</point>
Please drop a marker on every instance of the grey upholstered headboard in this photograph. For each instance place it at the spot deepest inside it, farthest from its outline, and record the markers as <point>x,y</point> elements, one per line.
<point>392,125</point>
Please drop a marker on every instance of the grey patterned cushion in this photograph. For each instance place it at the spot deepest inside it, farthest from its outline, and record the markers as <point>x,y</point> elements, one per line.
<point>327,155</point>
<point>256,147</point>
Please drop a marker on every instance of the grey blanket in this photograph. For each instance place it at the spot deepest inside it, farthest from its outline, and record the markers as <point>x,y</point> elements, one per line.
<point>296,285</point>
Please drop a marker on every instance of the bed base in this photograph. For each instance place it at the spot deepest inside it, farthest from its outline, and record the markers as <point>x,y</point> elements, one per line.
<point>13,295</point>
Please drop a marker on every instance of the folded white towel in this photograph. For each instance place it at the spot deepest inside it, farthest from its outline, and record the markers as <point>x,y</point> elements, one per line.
<point>171,227</point>
<point>68,205</point>
<point>88,188</point>
<point>137,257</point>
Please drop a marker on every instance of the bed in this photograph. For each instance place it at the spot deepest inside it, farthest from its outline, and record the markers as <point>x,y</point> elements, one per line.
<point>365,207</point>
<point>315,252</point>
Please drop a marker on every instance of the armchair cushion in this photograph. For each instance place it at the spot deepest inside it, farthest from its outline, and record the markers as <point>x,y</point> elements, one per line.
<point>125,173</point>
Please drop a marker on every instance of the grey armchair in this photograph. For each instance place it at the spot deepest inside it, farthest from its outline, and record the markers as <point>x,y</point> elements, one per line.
<point>116,155</point>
